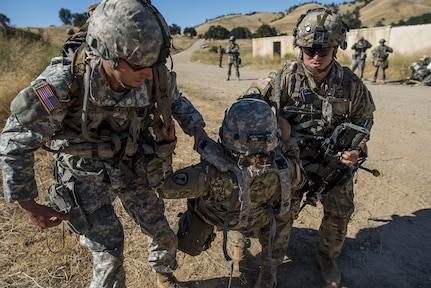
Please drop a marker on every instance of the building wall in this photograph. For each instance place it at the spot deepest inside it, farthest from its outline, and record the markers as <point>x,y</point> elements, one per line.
<point>403,39</point>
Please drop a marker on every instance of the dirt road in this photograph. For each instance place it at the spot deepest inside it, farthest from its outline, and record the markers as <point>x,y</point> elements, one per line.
<point>388,243</point>
<point>390,232</point>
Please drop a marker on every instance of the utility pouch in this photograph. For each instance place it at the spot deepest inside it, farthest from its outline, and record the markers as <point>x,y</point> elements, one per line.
<point>62,198</point>
<point>160,167</point>
<point>194,234</point>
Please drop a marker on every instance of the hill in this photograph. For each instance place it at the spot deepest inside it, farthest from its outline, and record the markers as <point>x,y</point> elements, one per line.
<point>385,12</point>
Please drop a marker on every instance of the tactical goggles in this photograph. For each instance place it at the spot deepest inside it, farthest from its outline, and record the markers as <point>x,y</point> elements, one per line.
<point>313,52</point>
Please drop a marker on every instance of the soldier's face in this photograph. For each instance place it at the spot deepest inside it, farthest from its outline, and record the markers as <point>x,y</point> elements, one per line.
<point>317,58</point>
<point>132,75</point>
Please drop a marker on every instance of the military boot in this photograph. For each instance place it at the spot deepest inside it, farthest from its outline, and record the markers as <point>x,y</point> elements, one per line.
<point>329,271</point>
<point>267,276</point>
<point>167,280</point>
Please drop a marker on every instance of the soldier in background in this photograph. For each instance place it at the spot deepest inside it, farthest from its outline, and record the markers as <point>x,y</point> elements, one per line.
<point>380,59</point>
<point>91,9</point>
<point>70,32</point>
<point>220,56</point>
<point>360,55</point>
<point>243,184</point>
<point>316,94</point>
<point>110,137</point>
<point>233,51</point>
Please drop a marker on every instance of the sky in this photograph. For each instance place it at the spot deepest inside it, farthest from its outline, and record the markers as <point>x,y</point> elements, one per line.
<point>186,13</point>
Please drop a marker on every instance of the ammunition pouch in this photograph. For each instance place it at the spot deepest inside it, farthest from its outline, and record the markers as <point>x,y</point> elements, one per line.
<point>160,167</point>
<point>62,198</point>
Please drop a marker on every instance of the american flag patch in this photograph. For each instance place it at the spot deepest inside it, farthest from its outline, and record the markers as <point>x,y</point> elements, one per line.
<point>47,97</point>
<point>261,83</point>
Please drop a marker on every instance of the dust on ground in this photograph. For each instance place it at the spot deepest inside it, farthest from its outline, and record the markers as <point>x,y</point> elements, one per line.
<point>388,238</point>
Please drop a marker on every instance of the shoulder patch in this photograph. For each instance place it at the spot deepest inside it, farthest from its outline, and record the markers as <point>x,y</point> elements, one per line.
<point>47,97</point>
<point>180,178</point>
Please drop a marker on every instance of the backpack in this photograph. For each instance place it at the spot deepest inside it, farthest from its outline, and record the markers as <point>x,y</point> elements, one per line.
<point>74,48</point>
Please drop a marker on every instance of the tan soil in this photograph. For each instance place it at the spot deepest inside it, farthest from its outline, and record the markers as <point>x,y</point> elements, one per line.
<point>388,243</point>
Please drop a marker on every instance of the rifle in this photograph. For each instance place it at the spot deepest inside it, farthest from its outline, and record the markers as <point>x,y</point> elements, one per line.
<point>329,171</point>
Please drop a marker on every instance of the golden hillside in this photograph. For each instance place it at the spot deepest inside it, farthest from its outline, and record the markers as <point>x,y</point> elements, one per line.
<point>252,22</point>
<point>384,11</point>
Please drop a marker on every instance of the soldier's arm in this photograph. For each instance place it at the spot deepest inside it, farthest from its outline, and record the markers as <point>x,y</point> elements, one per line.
<point>362,112</point>
<point>31,124</point>
<point>189,182</point>
<point>36,114</point>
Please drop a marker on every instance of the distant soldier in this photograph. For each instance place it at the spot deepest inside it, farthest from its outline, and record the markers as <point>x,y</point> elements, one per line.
<point>70,31</point>
<point>380,59</point>
<point>359,56</point>
<point>220,56</point>
<point>233,51</point>
<point>91,9</point>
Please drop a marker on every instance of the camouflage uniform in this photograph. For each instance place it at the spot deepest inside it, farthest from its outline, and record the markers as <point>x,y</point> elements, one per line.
<point>360,55</point>
<point>94,173</point>
<point>220,56</point>
<point>380,59</point>
<point>233,59</point>
<point>247,199</point>
<point>341,97</point>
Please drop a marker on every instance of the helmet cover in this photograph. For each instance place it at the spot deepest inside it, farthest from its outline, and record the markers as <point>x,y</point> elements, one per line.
<point>249,127</point>
<point>131,30</point>
<point>320,28</point>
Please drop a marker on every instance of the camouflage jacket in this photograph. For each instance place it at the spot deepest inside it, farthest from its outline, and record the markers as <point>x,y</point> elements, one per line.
<point>360,48</point>
<point>233,51</point>
<point>381,52</point>
<point>312,110</point>
<point>46,110</point>
<point>223,190</point>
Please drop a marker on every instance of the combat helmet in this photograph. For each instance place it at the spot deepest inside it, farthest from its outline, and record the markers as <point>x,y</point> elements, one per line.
<point>320,28</point>
<point>131,30</point>
<point>249,127</point>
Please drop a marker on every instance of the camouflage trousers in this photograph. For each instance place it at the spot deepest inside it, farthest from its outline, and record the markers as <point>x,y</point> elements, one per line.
<point>96,186</point>
<point>360,64</point>
<point>235,63</point>
<point>338,207</point>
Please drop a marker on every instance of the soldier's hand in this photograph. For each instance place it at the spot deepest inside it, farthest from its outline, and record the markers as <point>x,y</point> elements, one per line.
<point>200,134</point>
<point>349,158</point>
<point>42,216</point>
<point>285,128</point>
<point>168,135</point>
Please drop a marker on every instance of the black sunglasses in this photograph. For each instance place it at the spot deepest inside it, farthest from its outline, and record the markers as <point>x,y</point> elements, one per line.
<point>321,52</point>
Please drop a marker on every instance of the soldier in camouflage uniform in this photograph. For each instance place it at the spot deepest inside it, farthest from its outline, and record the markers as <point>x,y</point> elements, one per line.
<point>360,55</point>
<point>233,59</point>
<point>380,59</point>
<point>315,94</point>
<point>242,184</point>
<point>108,141</point>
